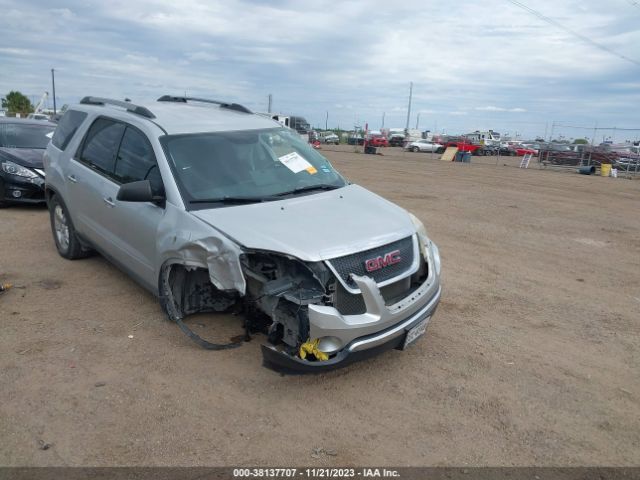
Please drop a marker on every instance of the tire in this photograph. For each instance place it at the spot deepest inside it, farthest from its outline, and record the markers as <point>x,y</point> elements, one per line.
<point>440,150</point>
<point>64,235</point>
<point>415,149</point>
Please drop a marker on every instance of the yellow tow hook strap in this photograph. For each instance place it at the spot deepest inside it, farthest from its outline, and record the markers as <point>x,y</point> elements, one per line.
<point>310,347</point>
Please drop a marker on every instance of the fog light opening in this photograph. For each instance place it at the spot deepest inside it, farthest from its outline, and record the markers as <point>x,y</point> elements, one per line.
<point>329,344</point>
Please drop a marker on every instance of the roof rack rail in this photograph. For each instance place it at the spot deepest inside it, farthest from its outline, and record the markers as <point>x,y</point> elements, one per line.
<point>128,106</point>
<point>231,106</point>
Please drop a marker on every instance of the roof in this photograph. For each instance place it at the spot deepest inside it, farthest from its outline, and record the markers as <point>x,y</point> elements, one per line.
<point>178,118</point>
<point>181,118</point>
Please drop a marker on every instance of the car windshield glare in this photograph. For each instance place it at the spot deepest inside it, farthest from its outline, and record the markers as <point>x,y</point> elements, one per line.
<point>246,164</point>
<point>15,135</point>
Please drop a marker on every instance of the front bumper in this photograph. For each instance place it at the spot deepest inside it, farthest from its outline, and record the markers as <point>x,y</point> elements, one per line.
<point>16,189</point>
<point>350,338</point>
<point>358,349</point>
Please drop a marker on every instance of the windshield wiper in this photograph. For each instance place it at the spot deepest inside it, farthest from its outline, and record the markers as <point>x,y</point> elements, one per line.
<point>308,188</point>
<point>230,200</point>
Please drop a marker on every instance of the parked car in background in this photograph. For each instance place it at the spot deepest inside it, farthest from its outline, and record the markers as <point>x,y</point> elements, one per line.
<point>396,140</point>
<point>423,146</point>
<point>378,141</point>
<point>329,138</point>
<point>22,144</point>
<point>520,151</point>
<point>355,140</point>
<point>38,116</point>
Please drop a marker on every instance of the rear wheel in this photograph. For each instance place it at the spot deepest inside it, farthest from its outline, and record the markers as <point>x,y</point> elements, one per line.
<point>64,235</point>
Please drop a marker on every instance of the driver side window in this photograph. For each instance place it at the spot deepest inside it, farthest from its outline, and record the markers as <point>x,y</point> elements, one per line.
<point>136,161</point>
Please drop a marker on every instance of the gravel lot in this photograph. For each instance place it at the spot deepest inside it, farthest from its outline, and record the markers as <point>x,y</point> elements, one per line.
<point>532,358</point>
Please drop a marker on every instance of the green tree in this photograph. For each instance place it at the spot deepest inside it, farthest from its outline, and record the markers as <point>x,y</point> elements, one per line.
<point>16,102</point>
<point>580,141</point>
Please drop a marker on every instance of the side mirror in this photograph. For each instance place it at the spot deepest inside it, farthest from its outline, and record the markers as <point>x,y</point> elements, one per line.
<point>137,192</point>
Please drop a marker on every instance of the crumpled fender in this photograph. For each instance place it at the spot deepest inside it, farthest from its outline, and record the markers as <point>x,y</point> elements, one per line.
<point>186,240</point>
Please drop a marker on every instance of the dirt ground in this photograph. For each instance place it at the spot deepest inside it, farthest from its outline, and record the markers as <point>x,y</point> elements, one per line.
<point>531,359</point>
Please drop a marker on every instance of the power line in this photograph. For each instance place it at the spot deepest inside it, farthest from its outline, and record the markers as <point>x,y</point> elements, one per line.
<point>584,38</point>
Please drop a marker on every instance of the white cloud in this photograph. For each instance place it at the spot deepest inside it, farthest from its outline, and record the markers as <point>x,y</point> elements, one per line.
<point>492,108</point>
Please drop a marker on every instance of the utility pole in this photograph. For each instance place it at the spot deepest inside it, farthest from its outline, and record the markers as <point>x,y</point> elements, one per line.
<point>409,106</point>
<point>53,84</point>
<point>326,121</point>
<point>417,120</point>
<point>383,113</point>
<point>269,106</point>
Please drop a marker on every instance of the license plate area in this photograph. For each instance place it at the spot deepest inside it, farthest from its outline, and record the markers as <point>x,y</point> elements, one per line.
<point>416,332</point>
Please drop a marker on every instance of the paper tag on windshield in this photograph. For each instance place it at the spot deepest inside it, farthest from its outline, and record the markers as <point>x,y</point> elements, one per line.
<point>49,135</point>
<point>296,163</point>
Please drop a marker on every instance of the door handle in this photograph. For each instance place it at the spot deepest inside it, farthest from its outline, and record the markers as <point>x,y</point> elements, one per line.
<point>72,178</point>
<point>109,201</point>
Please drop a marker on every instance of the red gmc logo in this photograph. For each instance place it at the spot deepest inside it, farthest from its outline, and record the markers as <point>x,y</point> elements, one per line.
<point>377,263</point>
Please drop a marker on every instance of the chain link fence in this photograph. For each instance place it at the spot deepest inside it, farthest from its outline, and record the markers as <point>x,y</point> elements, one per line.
<point>596,146</point>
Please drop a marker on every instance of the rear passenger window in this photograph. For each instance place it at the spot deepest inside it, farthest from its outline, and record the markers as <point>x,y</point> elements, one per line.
<point>136,160</point>
<point>101,145</point>
<point>67,127</point>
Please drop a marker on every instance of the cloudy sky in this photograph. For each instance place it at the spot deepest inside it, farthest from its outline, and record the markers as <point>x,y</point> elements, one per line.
<point>474,65</point>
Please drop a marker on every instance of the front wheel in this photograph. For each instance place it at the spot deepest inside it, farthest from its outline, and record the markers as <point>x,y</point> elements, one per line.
<point>415,149</point>
<point>64,235</point>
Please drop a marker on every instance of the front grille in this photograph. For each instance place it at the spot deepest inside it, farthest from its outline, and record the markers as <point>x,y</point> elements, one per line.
<point>355,263</point>
<point>353,303</point>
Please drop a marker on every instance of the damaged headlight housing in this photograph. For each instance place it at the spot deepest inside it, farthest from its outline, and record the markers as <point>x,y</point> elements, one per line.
<point>17,170</point>
<point>427,247</point>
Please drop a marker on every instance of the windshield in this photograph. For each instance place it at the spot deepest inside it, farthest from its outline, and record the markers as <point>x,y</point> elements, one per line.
<point>15,135</point>
<point>248,165</point>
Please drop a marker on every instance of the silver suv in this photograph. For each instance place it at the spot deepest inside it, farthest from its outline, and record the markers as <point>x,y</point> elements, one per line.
<point>211,207</point>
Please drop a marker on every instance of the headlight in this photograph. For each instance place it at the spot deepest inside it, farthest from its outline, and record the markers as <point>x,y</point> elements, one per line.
<point>427,247</point>
<point>420,230</point>
<point>436,257</point>
<point>17,170</point>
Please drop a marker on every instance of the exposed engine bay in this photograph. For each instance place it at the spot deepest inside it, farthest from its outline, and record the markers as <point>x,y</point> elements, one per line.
<point>279,289</point>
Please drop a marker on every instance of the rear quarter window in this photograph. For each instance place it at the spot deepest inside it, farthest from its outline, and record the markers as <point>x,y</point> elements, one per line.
<point>67,127</point>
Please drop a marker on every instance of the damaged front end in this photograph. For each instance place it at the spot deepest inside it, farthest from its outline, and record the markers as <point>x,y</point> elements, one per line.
<point>315,315</point>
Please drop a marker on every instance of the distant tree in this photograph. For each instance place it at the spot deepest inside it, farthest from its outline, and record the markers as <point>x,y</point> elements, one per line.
<point>16,102</point>
<point>580,141</point>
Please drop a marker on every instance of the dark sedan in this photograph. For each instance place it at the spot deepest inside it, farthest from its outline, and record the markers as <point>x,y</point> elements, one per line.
<point>22,144</point>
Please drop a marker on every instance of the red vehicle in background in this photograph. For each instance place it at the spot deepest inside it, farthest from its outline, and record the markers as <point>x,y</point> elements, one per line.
<point>465,147</point>
<point>378,141</point>
<point>522,151</point>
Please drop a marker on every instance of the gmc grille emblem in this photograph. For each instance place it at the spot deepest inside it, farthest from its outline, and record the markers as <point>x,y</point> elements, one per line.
<point>391,258</point>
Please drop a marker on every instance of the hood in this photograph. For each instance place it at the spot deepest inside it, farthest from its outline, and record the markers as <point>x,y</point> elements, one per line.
<point>26,157</point>
<point>314,227</point>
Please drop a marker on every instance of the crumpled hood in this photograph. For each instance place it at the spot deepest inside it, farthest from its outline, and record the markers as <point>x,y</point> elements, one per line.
<point>314,227</point>
<point>26,157</point>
